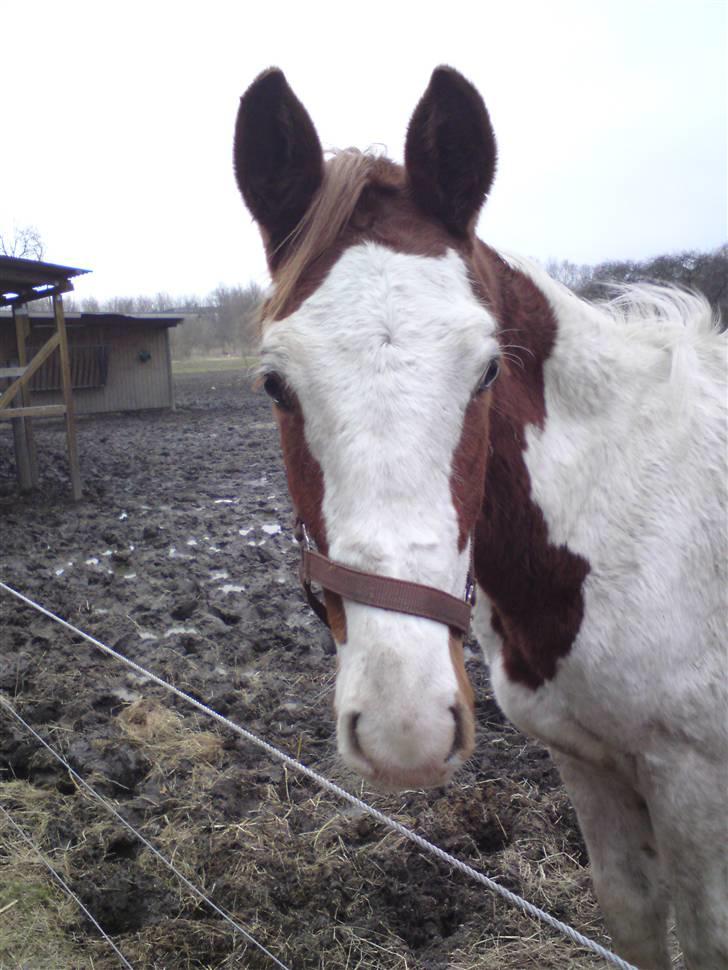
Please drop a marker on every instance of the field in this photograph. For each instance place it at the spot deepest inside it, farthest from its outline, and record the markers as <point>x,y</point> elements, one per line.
<point>180,556</point>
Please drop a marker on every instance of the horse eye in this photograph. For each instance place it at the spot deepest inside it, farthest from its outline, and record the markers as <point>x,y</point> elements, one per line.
<point>491,372</point>
<point>275,388</point>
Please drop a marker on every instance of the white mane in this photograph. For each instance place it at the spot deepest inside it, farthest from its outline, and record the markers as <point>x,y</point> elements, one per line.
<point>665,308</point>
<point>650,318</point>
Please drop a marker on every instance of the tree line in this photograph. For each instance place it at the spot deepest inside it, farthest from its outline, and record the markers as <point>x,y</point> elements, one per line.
<point>220,324</point>
<point>706,272</point>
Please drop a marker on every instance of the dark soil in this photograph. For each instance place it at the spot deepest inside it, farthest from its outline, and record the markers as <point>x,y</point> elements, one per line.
<point>180,556</point>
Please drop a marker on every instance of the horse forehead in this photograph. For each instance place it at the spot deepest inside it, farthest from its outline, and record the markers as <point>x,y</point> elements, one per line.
<point>375,295</point>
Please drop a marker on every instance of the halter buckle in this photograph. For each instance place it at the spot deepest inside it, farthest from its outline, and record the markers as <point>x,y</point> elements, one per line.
<point>470,590</point>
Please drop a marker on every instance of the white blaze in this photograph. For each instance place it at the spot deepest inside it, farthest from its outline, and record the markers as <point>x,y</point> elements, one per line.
<point>384,358</point>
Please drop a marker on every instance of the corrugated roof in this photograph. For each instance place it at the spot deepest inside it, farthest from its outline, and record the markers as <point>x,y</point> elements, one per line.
<point>22,280</point>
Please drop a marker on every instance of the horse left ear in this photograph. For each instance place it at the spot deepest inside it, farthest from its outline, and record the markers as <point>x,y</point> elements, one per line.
<point>450,153</point>
<point>277,156</point>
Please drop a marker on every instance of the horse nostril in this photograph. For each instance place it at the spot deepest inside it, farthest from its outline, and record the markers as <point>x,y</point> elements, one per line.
<point>353,739</point>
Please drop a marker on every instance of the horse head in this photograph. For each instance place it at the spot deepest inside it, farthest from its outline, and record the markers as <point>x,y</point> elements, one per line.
<point>379,347</point>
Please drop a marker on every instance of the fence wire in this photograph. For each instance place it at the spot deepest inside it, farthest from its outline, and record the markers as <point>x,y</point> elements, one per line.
<point>170,865</point>
<point>64,886</point>
<point>513,898</point>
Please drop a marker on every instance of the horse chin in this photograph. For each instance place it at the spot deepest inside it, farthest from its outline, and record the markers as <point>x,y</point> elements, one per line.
<point>397,780</point>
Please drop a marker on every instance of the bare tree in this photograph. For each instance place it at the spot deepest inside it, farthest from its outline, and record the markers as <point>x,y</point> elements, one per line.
<point>24,242</point>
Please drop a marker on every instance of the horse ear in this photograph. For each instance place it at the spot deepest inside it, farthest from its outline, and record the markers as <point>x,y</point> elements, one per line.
<point>450,153</point>
<point>277,157</point>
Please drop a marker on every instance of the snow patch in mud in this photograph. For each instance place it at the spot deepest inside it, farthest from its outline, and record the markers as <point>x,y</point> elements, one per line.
<point>173,554</point>
<point>231,588</point>
<point>272,528</point>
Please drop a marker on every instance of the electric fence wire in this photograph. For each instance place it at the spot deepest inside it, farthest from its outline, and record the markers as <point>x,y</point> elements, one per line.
<point>513,898</point>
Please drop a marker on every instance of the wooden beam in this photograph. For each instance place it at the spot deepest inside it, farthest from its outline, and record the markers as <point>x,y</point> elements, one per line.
<point>67,397</point>
<point>22,330</point>
<point>36,411</point>
<point>6,372</point>
<point>26,294</point>
<point>36,363</point>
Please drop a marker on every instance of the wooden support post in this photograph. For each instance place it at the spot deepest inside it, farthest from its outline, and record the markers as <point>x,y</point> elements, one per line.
<point>22,459</point>
<point>22,329</point>
<point>170,377</point>
<point>67,396</point>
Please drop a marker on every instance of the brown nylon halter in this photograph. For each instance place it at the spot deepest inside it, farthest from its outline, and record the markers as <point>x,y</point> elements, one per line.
<point>385,592</point>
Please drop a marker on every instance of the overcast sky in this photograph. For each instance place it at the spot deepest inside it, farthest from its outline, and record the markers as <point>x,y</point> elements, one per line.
<point>117,122</point>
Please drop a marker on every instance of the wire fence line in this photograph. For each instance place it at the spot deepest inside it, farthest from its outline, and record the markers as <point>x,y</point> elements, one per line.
<point>4,703</point>
<point>64,886</point>
<point>513,898</point>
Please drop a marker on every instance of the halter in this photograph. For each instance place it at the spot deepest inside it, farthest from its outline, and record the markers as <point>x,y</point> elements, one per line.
<point>385,592</point>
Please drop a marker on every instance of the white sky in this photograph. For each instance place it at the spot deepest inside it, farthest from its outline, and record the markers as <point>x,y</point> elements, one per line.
<point>118,118</point>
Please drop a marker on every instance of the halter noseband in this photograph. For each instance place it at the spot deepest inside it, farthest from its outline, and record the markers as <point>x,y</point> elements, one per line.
<point>384,592</point>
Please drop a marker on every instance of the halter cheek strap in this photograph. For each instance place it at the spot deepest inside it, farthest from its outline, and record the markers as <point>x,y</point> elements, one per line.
<point>384,592</point>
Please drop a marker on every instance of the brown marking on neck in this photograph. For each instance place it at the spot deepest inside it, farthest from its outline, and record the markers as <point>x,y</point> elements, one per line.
<point>535,587</point>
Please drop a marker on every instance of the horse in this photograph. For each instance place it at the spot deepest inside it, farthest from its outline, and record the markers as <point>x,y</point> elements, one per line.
<point>447,411</point>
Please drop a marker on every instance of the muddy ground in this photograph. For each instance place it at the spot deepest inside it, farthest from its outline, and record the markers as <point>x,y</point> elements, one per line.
<point>180,556</point>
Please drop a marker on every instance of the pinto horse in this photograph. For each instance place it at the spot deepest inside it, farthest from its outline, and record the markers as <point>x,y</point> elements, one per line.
<point>445,409</point>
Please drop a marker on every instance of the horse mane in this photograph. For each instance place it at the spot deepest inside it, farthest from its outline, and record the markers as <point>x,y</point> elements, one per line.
<point>649,310</point>
<point>347,174</point>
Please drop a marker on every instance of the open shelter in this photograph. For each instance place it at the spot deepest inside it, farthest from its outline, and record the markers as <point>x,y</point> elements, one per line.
<point>21,282</point>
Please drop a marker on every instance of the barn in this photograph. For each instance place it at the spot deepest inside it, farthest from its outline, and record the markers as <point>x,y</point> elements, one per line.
<point>119,361</point>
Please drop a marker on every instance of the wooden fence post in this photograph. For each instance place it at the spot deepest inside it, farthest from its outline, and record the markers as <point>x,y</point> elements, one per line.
<point>22,328</point>
<point>67,396</point>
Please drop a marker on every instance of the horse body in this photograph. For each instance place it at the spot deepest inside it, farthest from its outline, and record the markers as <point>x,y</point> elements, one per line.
<point>584,484</point>
<point>635,715</point>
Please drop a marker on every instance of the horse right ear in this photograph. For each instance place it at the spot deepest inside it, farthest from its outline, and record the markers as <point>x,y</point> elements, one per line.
<point>278,158</point>
<point>450,154</point>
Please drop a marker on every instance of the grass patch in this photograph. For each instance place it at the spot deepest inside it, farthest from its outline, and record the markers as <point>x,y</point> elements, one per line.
<point>212,365</point>
<point>38,921</point>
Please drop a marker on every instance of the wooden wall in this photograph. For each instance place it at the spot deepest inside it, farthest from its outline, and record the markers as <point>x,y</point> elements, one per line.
<point>131,384</point>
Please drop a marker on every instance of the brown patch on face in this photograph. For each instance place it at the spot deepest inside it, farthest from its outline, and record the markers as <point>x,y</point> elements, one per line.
<point>305,478</point>
<point>467,477</point>
<point>337,616</point>
<point>306,485</point>
<point>535,587</point>
<point>466,717</point>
